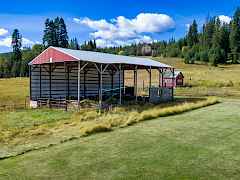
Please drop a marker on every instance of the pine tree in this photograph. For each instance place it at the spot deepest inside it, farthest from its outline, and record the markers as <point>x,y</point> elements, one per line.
<point>55,33</point>
<point>208,31</point>
<point>234,38</point>
<point>17,54</point>
<point>192,36</point>
<point>62,34</point>
<point>74,44</point>
<point>50,36</point>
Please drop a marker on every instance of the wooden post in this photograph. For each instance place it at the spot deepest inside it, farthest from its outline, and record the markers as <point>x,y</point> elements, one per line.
<point>112,80</point>
<point>162,78</point>
<point>79,81</point>
<point>150,80</point>
<point>30,81</point>
<point>65,73</point>
<point>135,83</point>
<point>84,83</point>
<point>123,80</point>
<point>100,91</point>
<point>40,79</point>
<point>173,84</point>
<point>68,79</point>
<point>50,81</point>
<point>159,77</point>
<point>120,84</point>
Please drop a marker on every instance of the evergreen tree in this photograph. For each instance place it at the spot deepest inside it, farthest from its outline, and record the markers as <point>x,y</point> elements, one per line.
<point>55,33</point>
<point>16,45</point>
<point>234,38</point>
<point>17,54</point>
<point>50,36</point>
<point>62,34</point>
<point>74,44</point>
<point>192,36</point>
<point>208,31</point>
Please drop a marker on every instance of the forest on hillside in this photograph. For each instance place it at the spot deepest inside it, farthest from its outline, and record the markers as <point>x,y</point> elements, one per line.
<point>214,43</point>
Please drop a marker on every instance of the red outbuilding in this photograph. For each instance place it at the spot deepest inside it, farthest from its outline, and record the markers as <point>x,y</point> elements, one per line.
<point>177,79</point>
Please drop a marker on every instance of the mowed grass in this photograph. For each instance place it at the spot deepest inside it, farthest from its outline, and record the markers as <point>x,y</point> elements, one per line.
<point>201,144</point>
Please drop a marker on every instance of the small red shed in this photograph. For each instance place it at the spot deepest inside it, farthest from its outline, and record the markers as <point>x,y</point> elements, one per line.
<point>177,79</point>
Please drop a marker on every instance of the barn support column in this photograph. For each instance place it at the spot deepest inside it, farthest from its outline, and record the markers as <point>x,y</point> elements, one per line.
<point>50,81</point>
<point>101,70</point>
<point>160,71</point>
<point>135,83</point>
<point>112,80</point>
<point>100,92</point>
<point>84,83</point>
<point>30,81</point>
<point>120,84</point>
<point>159,77</point>
<point>162,77</point>
<point>68,79</point>
<point>40,79</point>
<point>172,84</point>
<point>150,79</point>
<point>79,81</point>
<point>66,70</point>
<point>123,80</point>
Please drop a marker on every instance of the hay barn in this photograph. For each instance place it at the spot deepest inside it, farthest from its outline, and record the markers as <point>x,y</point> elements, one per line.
<point>60,74</point>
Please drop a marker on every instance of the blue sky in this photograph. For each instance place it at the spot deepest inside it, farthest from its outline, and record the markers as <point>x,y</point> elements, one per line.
<point>111,22</point>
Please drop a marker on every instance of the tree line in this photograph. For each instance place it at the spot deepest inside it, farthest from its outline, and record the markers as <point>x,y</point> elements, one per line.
<point>215,42</point>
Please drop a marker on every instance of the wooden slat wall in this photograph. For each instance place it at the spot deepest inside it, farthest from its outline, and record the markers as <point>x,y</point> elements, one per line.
<point>60,87</point>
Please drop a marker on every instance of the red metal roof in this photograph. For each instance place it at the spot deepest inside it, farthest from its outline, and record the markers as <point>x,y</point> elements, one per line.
<point>51,55</point>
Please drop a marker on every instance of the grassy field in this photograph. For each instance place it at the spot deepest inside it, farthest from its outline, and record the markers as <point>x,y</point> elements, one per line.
<point>176,147</point>
<point>206,80</point>
<point>191,145</point>
<point>14,91</point>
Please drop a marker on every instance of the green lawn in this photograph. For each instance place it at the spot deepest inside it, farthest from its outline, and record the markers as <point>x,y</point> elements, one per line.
<point>201,144</point>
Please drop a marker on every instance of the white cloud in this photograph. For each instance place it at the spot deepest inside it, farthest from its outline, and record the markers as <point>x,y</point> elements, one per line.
<point>7,42</point>
<point>122,30</point>
<point>27,42</point>
<point>3,31</point>
<point>225,19</point>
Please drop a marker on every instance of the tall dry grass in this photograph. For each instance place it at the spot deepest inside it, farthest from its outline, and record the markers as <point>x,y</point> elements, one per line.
<point>108,121</point>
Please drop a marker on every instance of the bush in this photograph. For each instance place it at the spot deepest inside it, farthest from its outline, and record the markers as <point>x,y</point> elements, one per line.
<point>204,56</point>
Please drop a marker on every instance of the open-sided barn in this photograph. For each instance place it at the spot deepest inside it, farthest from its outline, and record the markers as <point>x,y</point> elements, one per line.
<point>59,73</point>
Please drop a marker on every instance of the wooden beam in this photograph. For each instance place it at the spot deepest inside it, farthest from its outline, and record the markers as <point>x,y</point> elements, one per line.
<point>79,81</point>
<point>84,83</point>
<point>68,79</point>
<point>135,82</point>
<point>173,84</point>
<point>100,91</point>
<point>50,81</point>
<point>40,79</point>
<point>120,84</point>
<point>112,81</point>
<point>30,81</point>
